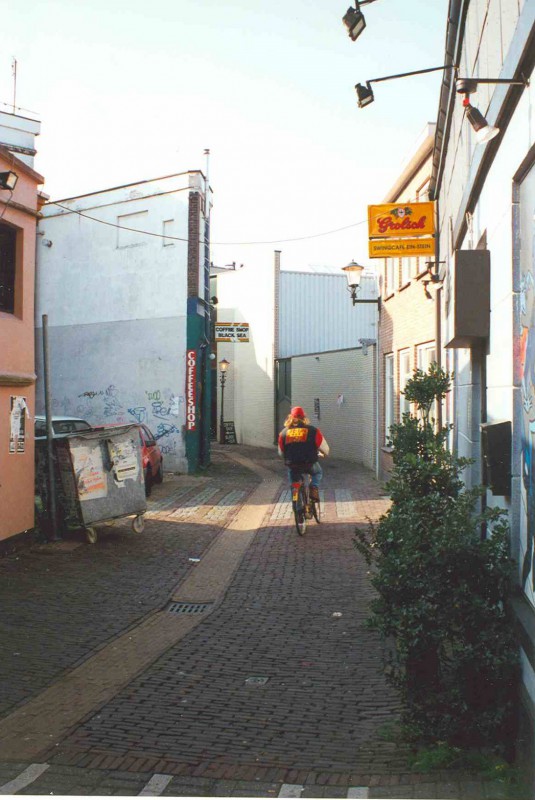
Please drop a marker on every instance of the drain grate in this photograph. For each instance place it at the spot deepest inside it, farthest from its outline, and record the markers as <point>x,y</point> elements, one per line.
<point>188,608</point>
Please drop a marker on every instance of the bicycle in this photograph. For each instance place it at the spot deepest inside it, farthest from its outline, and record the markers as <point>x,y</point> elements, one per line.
<point>304,506</point>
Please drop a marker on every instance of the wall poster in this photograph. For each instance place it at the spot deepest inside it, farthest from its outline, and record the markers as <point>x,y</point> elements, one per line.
<point>17,424</point>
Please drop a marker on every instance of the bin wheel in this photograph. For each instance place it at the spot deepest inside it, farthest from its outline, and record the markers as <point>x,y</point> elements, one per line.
<point>138,524</point>
<point>91,535</point>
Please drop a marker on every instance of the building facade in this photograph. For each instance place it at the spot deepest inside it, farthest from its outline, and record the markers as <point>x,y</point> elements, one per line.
<point>305,345</point>
<point>19,212</point>
<point>485,192</point>
<point>121,276</point>
<point>408,321</point>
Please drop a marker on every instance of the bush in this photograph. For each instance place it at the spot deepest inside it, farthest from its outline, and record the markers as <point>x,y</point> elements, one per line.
<point>442,590</point>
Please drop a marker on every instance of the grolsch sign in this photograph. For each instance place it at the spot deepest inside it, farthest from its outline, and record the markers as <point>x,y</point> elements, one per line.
<point>191,390</point>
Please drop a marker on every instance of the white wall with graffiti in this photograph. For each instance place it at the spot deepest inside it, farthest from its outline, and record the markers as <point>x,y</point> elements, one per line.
<point>116,299</point>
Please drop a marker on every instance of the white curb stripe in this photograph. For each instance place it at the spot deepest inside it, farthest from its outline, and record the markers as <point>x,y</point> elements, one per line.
<point>358,792</point>
<point>29,775</point>
<point>157,784</point>
<point>291,790</point>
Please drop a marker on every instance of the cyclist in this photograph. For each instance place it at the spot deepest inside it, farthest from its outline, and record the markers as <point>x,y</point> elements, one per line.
<point>300,443</point>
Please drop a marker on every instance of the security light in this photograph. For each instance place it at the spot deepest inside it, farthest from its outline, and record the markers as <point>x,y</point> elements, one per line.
<point>484,131</point>
<point>364,94</point>
<point>467,86</point>
<point>354,21</point>
<point>8,180</point>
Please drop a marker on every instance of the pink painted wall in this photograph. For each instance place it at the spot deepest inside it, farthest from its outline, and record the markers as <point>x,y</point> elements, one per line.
<point>17,360</point>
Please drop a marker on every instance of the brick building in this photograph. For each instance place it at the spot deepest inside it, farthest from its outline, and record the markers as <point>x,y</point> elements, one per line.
<point>408,322</point>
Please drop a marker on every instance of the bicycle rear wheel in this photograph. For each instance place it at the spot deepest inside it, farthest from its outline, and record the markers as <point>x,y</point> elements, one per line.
<point>299,508</point>
<point>316,510</point>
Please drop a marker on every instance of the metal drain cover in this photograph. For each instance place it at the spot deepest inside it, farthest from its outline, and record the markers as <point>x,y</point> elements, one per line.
<point>256,681</point>
<point>188,608</point>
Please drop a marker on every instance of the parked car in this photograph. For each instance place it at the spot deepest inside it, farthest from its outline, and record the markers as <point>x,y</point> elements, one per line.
<point>152,458</point>
<point>61,426</point>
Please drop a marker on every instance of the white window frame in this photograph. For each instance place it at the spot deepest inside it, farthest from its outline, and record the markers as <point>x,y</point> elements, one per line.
<point>423,361</point>
<point>389,394</point>
<point>404,358</point>
<point>389,276</point>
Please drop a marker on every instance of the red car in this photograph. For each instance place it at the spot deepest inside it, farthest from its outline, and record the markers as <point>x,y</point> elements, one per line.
<point>151,457</point>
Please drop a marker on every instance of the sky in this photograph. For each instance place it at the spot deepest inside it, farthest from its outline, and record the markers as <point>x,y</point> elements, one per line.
<point>128,90</point>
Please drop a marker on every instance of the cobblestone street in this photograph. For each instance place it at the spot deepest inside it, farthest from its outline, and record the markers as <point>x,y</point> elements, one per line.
<point>265,683</point>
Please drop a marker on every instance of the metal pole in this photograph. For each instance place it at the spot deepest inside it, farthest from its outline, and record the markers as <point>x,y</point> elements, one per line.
<point>221,420</point>
<point>49,436</point>
<point>221,425</point>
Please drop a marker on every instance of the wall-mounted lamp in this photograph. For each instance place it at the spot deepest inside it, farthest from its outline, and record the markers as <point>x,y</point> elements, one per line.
<point>467,86</point>
<point>365,93</point>
<point>353,273</point>
<point>8,180</point>
<point>354,20</point>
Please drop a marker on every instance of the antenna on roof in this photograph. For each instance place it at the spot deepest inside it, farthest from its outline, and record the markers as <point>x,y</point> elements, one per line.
<point>14,71</point>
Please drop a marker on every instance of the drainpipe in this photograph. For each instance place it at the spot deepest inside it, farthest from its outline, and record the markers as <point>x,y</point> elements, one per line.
<point>277,271</point>
<point>49,436</point>
<point>377,379</point>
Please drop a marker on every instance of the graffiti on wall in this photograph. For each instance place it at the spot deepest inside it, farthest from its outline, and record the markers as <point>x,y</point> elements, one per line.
<point>161,410</point>
<point>525,356</point>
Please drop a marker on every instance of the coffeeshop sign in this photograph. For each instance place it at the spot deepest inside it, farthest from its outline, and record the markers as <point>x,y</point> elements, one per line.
<point>191,390</point>
<point>403,219</point>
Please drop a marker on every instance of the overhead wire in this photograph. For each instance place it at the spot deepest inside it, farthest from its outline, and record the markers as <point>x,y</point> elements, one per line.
<point>182,239</point>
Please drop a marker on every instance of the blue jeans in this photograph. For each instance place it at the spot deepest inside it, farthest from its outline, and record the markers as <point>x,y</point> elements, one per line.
<point>315,471</point>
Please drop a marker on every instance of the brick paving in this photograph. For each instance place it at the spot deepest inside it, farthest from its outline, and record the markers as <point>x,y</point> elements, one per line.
<point>292,615</point>
<point>61,604</point>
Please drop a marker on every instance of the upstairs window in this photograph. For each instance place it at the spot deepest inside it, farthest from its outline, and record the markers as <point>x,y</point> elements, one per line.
<point>8,241</point>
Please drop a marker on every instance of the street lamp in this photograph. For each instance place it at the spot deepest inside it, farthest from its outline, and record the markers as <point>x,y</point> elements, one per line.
<point>223,366</point>
<point>353,273</point>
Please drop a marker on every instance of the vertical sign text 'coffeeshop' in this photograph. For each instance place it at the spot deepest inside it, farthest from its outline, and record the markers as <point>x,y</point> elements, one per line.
<point>191,390</point>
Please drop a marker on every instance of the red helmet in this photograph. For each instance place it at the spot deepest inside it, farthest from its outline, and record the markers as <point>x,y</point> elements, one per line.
<point>298,412</point>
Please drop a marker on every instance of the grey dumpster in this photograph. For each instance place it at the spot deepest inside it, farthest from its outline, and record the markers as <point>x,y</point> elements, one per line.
<point>101,477</point>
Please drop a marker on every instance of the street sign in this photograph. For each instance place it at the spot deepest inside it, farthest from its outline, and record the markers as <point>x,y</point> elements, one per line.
<point>401,219</point>
<point>230,433</point>
<point>232,332</point>
<point>401,248</point>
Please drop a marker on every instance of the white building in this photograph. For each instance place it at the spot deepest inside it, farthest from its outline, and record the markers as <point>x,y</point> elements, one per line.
<point>120,274</point>
<point>486,204</point>
<point>307,345</point>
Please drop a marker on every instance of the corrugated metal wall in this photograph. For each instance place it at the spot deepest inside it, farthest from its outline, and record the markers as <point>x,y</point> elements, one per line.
<point>316,313</point>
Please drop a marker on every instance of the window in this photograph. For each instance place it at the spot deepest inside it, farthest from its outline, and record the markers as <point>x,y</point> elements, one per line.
<point>389,276</point>
<point>8,239</point>
<point>169,229</point>
<point>425,355</point>
<point>406,274</point>
<point>130,227</point>
<point>404,375</point>
<point>389,394</point>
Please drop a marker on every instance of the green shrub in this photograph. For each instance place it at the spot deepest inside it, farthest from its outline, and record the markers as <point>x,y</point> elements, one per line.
<point>441,589</point>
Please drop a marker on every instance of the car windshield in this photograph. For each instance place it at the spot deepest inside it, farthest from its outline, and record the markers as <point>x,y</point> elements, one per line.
<point>70,426</point>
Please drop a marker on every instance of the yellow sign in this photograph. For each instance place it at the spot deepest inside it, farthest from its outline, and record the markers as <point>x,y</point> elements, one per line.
<point>401,219</point>
<point>401,248</point>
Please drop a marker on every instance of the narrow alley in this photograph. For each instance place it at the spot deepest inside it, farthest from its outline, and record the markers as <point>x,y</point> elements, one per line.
<point>215,654</point>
